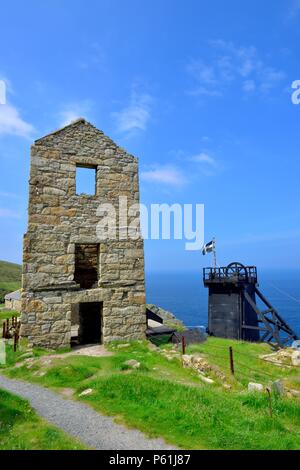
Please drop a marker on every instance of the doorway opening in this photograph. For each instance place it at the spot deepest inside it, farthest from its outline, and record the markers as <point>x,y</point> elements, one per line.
<point>86,323</point>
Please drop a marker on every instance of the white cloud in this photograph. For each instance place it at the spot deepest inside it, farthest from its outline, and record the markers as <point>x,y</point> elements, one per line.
<point>204,158</point>
<point>72,111</point>
<point>169,175</point>
<point>9,214</point>
<point>188,171</point>
<point>2,92</point>
<point>204,164</point>
<point>207,165</point>
<point>135,116</point>
<point>11,123</point>
<point>232,65</point>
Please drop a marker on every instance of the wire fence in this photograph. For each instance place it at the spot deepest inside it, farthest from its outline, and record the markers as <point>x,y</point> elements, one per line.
<point>284,293</point>
<point>238,367</point>
<point>249,355</point>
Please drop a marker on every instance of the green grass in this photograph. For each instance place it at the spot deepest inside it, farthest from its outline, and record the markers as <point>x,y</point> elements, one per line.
<point>7,287</point>
<point>72,372</point>
<point>22,429</point>
<point>5,314</point>
<point>10,271</point>
<point>195,418</point>
<point>75,371</point>
<point>10,286</point>
<point>163,399</point>
<point>10,278</point>
<point>17,357</point>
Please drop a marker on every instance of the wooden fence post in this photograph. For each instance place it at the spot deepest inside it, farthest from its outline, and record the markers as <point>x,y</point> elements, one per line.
<point>183,344</point>
<point>231,360</point>
<point>270,401</point>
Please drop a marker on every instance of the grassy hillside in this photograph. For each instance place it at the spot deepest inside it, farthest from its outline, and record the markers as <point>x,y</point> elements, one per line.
<point>10,278</point>
<point>161,398</point>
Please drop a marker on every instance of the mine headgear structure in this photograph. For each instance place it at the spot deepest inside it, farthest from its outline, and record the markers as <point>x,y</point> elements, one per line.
<point>233,311</point>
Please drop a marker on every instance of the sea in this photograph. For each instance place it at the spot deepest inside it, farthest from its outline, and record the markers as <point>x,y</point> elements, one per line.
<point>184,295</point>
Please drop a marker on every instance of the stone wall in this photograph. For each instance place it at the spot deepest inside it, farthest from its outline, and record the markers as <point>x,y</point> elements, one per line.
<point>59,220</point>
<point>13,305</point>
<point>13,301</point>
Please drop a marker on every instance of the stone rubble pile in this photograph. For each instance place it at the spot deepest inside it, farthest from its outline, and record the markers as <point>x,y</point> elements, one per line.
<point>202,366</point>
<point>283,357</point>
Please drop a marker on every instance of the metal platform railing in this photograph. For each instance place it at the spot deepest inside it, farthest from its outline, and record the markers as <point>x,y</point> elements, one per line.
<point>230,274</point>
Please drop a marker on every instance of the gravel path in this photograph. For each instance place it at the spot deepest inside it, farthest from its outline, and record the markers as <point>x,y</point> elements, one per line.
<point>91,428</point>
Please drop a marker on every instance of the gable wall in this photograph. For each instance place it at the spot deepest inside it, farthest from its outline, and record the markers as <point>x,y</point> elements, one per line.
<point>58,219</point>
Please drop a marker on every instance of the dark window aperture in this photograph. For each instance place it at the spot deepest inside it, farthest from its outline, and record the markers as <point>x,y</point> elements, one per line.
<point>86,180</point>
<point>86,265</point>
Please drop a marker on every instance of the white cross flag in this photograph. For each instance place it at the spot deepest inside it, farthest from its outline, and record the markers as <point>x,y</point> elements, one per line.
<point>209,247</point>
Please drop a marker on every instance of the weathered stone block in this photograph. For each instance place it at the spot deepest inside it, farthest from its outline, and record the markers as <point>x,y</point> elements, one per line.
<point>33,306</point>
<point>45,328</point>
<point>61,326</point>
<point>52,300</point>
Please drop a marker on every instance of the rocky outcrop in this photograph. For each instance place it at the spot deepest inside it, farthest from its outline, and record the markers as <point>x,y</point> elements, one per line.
<point>167,317</point>
<point>163,322</point>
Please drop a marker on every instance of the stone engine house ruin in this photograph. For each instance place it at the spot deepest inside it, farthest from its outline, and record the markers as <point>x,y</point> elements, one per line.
<point>75,286</point>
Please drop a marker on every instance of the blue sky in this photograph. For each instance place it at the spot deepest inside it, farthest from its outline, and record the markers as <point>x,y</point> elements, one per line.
<point>200,91</point>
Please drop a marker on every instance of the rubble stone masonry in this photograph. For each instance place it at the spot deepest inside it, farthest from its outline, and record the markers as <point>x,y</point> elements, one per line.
<point>62,224</point>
